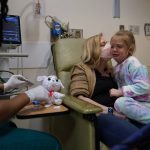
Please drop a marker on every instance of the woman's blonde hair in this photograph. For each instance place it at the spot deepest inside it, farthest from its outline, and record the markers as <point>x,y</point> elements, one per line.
<point>128,38</point>
<point>92,51</point>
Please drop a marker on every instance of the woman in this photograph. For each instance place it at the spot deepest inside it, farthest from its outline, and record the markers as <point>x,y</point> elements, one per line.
<point>96,72</point>
<point>91,80</point>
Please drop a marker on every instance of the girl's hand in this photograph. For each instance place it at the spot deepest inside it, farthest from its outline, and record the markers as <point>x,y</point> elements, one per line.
<point>115,92</point>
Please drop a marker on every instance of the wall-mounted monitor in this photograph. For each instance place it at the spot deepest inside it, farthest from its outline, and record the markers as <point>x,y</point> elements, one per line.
<point>11,33</point>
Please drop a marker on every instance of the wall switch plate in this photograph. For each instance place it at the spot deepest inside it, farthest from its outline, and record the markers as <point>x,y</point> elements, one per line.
<point>135,29</point>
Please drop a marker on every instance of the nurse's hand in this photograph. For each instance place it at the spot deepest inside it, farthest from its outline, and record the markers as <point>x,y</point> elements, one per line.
<point>38,93</point>
<point>15,81</point>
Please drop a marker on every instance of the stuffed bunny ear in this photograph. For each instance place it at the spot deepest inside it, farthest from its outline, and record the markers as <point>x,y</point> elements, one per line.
<point>41,78</point>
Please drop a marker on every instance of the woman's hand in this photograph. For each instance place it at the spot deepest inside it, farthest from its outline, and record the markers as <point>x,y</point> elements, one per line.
<point>119,115</point>
<point>115,113</point>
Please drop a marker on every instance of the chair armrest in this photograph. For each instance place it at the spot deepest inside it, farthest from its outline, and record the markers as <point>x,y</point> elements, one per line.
<point>80,105</point>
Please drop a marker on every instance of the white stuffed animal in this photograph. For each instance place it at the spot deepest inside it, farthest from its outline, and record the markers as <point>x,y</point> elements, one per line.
<point>53,85</point>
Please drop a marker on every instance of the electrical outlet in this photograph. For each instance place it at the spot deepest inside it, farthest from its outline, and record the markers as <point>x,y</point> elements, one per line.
<point>135,29</point>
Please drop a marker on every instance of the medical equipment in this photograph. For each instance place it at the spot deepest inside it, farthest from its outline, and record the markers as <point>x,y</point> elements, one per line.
<point>57,27</point>
<point>11,31</point>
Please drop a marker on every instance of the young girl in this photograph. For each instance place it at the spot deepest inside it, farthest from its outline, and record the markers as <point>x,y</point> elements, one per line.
<point>132,79</point>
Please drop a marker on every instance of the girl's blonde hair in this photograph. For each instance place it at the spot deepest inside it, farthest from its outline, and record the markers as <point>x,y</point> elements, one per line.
<point>128,38</point>
<point>92,51</point>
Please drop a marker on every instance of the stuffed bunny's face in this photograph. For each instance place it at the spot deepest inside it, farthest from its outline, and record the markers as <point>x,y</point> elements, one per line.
<point>51,83</point>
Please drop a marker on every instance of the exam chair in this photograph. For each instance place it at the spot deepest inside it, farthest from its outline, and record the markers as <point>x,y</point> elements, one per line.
<point>76,129</point>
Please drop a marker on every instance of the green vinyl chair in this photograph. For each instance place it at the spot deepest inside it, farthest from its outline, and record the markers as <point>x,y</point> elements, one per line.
<point>75,130</point>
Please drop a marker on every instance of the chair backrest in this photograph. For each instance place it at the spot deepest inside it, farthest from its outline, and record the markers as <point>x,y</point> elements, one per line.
<point>66,53</point>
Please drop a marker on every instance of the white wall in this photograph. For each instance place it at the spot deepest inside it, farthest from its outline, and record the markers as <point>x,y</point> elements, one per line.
<point>93,16</point>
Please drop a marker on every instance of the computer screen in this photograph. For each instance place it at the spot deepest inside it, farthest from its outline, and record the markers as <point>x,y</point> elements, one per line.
<point>11,33</point>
